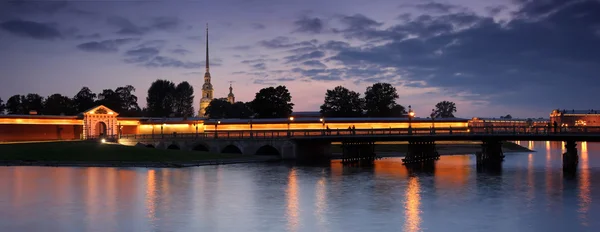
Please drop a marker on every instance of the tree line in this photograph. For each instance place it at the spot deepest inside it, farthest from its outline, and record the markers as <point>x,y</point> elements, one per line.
<point>276,102</point>
<point>121,100</point>
<point>165,99</point>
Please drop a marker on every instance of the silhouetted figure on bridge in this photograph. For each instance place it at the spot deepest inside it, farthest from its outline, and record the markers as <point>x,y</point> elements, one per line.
<point>353,130</point>
<point>555,127</point>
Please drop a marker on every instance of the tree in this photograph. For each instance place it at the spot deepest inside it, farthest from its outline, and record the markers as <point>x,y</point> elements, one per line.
<point>380,98</point>
<point>14,105</point>
<point>508,116</point>
<point>1,106</point>
<point>218,108</point>
<point>57,104</point>
<point>84,100</point>
<point>110,99</point>
<point>445,109</point>
<point>33,102</point>
<point>341,102</point>
<point>128,101</point>
<point>184,100</point>
<point>160,98</point>
<point>273,102</point>
<point>240,110</point>
<point>398,111</point>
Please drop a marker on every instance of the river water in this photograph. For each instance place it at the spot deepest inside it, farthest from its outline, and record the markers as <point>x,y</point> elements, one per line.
<point>530,194</point>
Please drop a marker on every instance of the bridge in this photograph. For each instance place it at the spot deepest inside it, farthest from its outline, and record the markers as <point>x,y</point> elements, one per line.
<point>358,145</point>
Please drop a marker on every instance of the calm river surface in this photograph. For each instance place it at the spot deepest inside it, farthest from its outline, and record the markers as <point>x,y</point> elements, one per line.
<point>531,194</point>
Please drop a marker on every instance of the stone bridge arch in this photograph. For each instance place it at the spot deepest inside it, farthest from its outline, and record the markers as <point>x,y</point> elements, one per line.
<point>267,150</point>
<point>232,148</point>
<point>200,146</point>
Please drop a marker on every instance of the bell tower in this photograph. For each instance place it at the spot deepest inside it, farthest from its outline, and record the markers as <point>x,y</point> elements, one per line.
<point>207,88</point>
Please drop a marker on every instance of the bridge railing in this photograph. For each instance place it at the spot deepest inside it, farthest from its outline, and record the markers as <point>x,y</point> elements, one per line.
<point>271,134</point>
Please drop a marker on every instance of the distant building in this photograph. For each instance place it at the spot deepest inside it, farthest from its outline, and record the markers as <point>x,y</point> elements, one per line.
<point>570,118</point>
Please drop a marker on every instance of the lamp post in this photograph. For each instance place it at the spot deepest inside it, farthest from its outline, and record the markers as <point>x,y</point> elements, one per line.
<point>251,117</point>
<point>411,114</point>
<point>216,132</point>
<point>161,130</point>
<point>289,121</point>
<point>432,119</point>
<point>322,120</point>
<point>196,124</point>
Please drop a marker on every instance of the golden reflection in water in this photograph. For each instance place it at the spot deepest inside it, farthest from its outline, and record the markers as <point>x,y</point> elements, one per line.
<point>452,171</point>
<point>19,182</point>
<point>92,195</point>
<point>530,145</point>
<point>151,194</point>
<point>321,202</point>
<point>292,201</point>
<point>585,199</point>
<point>548,174</point>
<point>562,146</point>
<point>412,202</point>
<point>390,167</point>
<point>530,179</point>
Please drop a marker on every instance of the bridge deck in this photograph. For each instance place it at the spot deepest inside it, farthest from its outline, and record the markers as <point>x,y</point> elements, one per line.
<point>591,134</point>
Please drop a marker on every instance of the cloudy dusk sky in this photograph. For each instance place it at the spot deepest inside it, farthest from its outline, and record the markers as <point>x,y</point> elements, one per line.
<point>518,57</point>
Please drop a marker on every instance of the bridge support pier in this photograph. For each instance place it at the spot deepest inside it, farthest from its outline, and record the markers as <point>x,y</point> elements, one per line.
<point>421,152</point>
<point>358,153</point>
<point>570,158</point>
<point>491,153</point>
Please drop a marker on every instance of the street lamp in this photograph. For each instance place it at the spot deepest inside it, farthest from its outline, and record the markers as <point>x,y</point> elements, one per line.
<point>411,114</point>
<point>291,119</point>
<point>216,124</point>
<point>161,130</point>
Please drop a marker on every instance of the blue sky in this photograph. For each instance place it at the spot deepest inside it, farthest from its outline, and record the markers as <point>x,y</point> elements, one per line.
<point>519,57</point>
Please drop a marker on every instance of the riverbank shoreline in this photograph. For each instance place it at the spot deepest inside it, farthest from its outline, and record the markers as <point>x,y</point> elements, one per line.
<point>90,154</point>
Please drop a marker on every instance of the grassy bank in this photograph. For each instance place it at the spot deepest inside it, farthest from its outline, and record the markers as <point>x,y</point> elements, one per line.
<point>93,152</point>
<point>444,148</point>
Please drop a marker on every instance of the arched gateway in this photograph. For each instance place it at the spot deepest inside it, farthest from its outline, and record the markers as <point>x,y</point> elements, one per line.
<point>100,121</point>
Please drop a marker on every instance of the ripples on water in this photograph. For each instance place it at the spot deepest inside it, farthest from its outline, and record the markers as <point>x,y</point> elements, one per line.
<point>530,194</point>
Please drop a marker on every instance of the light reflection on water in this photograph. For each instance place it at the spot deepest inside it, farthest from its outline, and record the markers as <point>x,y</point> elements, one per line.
<point>530,194</point>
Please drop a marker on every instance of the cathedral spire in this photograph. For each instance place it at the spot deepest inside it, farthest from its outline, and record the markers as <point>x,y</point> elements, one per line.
<point>207,67</point>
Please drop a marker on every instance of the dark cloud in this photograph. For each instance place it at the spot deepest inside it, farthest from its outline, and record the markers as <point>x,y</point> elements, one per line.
<point>126,27</point>
<point>31,29</point>
<point>436,7</point>
<point>260,60</point>
<point>358,26</point>
<point>241,47</point>
<point>181,51</point>
<point>89,36</point>
<point>284,42</point>
<point>32,7</point>
<point>309,25</point>
<point>302,57</point>
<point>165,23</point>
<point>259,66</point>
<point>105,45</point>
<point>140,55</point>
<point>515,63</point>
<point>314,64</point>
